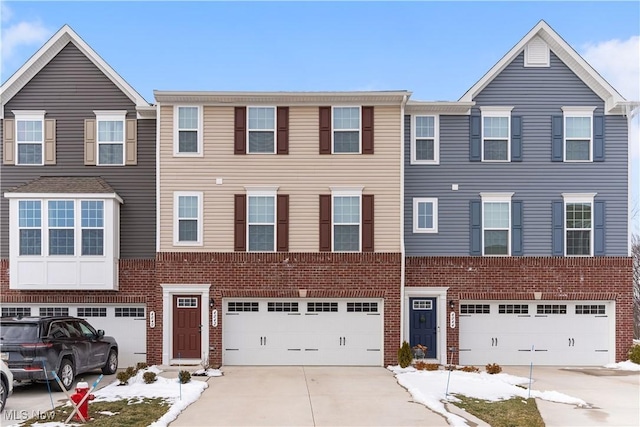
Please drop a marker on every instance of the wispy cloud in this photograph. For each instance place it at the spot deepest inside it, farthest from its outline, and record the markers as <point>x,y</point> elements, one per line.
<point>16,35</point>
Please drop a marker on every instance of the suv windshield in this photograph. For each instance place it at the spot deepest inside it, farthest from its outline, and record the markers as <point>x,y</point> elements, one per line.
<point>21,332</point>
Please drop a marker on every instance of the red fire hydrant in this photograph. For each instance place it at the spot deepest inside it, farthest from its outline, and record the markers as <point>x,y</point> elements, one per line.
<point>82,388</point>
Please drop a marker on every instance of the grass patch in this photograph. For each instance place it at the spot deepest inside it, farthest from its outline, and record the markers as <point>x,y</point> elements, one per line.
<point>514,412</point>
<point>128,413</point>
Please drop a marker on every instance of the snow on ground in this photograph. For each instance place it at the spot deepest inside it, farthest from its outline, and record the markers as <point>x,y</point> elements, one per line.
<point>627,365</point>
<point>430,387</point>
<point>208,373</point>
<point>179,396</point>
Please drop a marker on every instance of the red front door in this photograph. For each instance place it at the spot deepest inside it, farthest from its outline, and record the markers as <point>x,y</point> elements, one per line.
<point>187,327</point>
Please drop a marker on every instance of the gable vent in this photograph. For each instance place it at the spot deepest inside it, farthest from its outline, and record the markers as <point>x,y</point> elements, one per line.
<point>536,53</point>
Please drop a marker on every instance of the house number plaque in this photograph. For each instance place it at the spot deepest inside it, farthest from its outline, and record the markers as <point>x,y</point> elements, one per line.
<point>452,320</point>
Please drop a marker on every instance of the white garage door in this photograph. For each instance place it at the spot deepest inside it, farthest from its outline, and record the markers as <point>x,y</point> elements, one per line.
<point>543,332</point>
<point>302,332</point>
<point>126,323</point>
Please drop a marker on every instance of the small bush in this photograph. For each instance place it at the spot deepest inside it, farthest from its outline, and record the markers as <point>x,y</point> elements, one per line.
<point>493,368</point>
<point>634,353</point>
<point>405,355</point>
<point>470,369</point>
<point>184,377</point>
<point>131,371</point>
<point>123,377</point>
<point>141,365</point>
<point>149,377</point>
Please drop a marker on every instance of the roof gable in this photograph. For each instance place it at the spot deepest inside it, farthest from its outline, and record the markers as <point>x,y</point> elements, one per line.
<point>613,100</point>
<point>48,51</point>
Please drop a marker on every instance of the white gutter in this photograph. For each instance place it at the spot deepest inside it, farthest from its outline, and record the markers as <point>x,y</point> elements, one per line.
<point>402,249</point>
<point>157,178</point>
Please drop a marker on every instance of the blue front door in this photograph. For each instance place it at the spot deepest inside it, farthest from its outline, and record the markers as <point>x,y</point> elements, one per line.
<point>423,324</point>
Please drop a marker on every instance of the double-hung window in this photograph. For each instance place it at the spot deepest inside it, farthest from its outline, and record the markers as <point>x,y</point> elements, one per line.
<point>346,221</point>
<point>61,214</point>
<point>29,137</point>
<point>110,137</point>
<point>346,129</point>
<point>425,147</point>
<point>261,127</point>
<point>261,221</point>
<point>425,215</point>
<point>578,212</point>
<point>30,224</point>
<point>578,133</point>
<point>496,224</point>
<point>188,218</point>
<point>496,134</point>
<point>92,225</point>
<point>188,123</point>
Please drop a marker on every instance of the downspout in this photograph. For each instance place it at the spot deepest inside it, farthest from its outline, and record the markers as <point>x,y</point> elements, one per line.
<point>157,179</point>
<point>402,249</point>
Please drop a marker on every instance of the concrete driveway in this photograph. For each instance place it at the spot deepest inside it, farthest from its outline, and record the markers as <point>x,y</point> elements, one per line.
<point>306,396</point>
<point>613,394</point>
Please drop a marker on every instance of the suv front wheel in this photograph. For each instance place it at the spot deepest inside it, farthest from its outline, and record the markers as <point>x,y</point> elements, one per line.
<point>112,363</point>
<point>66,375</point>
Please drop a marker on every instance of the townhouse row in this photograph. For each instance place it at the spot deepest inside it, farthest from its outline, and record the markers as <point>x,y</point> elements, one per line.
<point>322,228</point>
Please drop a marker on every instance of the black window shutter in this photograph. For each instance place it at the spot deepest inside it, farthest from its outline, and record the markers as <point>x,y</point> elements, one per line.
<point>557,225</point>
<point>516,228</point>
<point>599,229</point>
<point>557,136</point>
<point>475,220</point>
<point>598,138</point>
<point>516,139</point>
<point>475,136</point>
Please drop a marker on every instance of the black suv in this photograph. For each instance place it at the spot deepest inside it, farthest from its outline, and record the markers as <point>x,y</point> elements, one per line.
<point>33,347</point>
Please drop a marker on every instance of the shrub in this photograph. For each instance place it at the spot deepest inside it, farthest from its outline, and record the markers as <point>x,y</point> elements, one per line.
<point>184,377</point>
<point>123,377</point>
<point>131,371</point>
<point>470,369</point>
<point>405,355</point>
<point>141,365</point>
<point>634,353</point>
<point>493,368</point>
<point>149,377</point>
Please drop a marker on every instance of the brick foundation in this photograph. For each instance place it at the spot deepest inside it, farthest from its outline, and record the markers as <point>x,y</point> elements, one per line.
<point>281,275</point>
<point>514,278</point>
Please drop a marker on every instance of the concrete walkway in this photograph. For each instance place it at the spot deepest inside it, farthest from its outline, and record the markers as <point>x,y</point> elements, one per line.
<point>613,394</point>
<point>306,396</point>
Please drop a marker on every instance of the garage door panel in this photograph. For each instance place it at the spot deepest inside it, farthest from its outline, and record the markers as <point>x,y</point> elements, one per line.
<point>539,332</point>
<point>307,332</point>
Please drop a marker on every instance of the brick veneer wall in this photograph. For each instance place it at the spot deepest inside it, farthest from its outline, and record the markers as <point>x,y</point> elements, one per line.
<point>513,278</point>
<point>281,275</point>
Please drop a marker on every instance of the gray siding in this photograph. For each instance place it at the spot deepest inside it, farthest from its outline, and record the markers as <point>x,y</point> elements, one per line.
<point>70,88</point>
<point>536,94</point>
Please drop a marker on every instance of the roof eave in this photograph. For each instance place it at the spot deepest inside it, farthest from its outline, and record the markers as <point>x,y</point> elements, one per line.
<point>439,107</point>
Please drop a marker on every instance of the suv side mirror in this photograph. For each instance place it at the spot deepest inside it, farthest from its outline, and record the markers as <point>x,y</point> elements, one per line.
<point>100,333</point>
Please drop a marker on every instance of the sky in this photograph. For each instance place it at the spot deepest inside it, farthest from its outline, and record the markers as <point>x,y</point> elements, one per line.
<point>437,50</point>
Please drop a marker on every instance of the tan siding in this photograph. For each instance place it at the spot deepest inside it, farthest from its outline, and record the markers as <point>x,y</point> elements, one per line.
<point>303,174</point>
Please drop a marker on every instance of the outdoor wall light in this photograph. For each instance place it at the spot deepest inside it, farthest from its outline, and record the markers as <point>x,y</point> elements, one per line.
<point>212,302</point>
<point>451,304</point>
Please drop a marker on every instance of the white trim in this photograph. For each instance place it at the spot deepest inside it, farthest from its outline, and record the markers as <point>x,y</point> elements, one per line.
<point>167,324</point>
<point>86,196</point>
<point>401,197</point>
<point>263,192</point>
<point>111,116</point>
<point>577,112</point>
<point>566,54</point>
<point>274,130</point>
<point>30,116</point>
<point>499,111</point>
<point>536,43</point>
<point>497,198</point>
<point>158,189</point>
<point>200,218</point>
<point>48,51</point>
<point>346,192</point>
<point>440,294</point>
<point>333,130</point>
<point>434,203</point>
<point>199,130</point>
<point>576,198</point>
<point>436,140</point>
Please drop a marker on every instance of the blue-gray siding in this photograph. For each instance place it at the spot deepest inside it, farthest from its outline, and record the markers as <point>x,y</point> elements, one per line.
<point>536,94</point>
<point>69,89</point>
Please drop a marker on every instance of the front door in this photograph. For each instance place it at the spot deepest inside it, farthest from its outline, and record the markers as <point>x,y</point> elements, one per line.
<point>423,324</point>
<point>187,327</point>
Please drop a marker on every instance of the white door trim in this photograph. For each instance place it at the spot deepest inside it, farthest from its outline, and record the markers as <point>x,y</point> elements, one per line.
<point>168,291</point>
<point>440,294</point>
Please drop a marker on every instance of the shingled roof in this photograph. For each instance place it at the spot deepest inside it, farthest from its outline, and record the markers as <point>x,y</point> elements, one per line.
<point>66,184</point>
